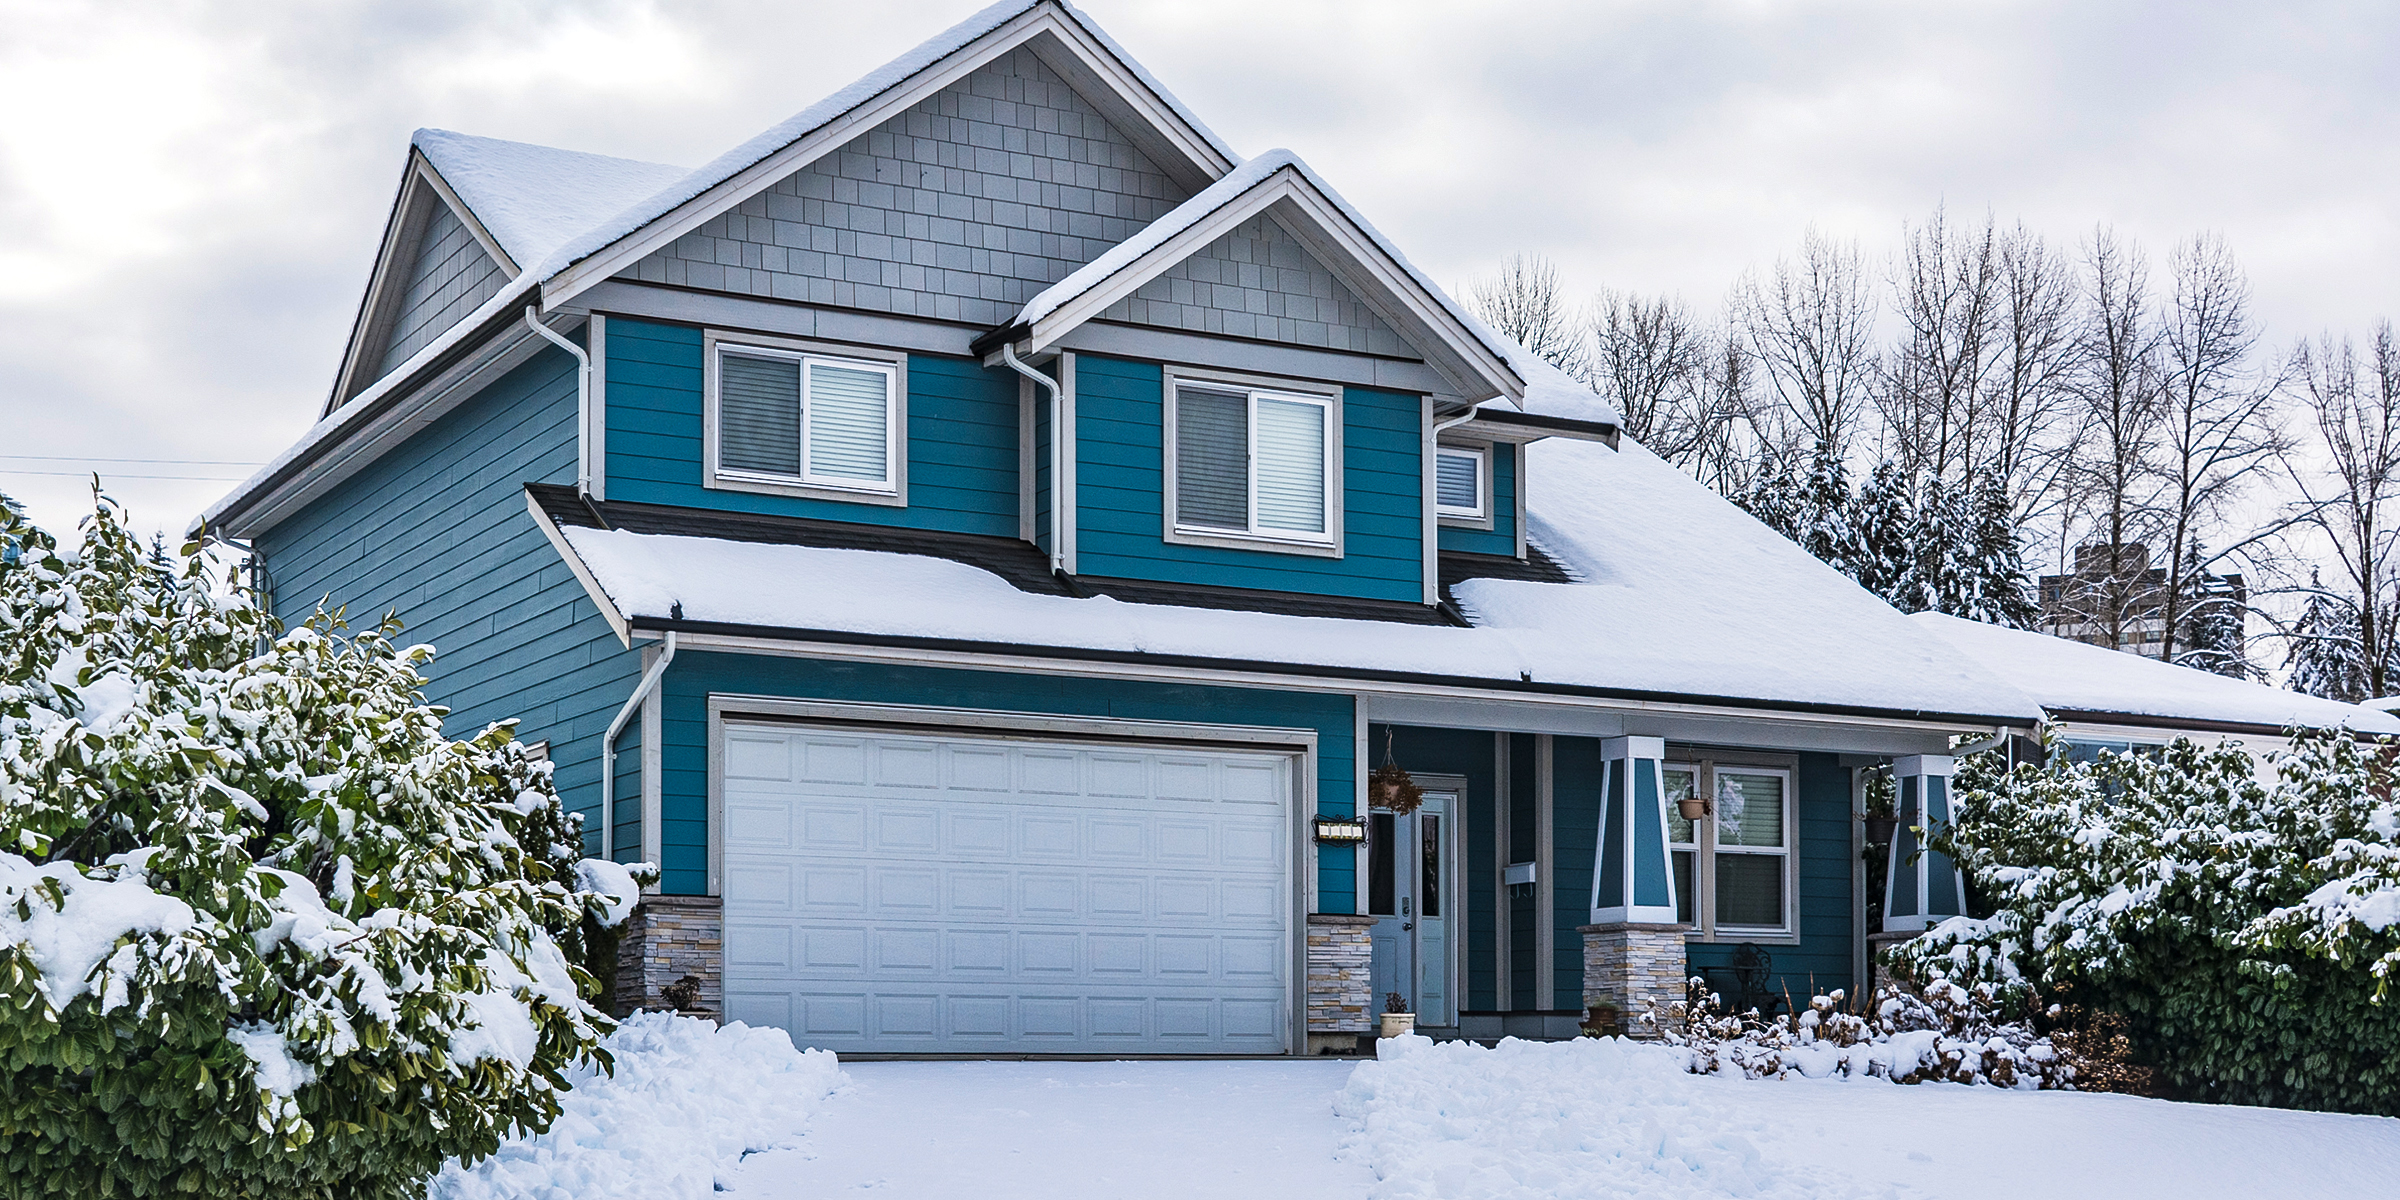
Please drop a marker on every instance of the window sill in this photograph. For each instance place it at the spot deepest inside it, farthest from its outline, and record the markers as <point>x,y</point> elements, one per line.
<point>808,491</point>
<point>1735,937</point>
<point>1228,540</point>
<point>1456,520</point>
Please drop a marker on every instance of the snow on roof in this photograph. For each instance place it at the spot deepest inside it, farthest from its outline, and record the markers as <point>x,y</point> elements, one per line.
<point>1559,394</point>
<point>2070,675</point>
<point>1684,596</point>
<point>808,120</point>
<point>532,199</point>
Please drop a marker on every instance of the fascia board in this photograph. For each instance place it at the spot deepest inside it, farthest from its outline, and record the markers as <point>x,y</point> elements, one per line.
<point>389,275</point>
<point>583,574</point>
<point>1338,243</point>
<point>1190,240</point>
<point>379,427</point>
<point>466,215</point>
<point>763,174</point>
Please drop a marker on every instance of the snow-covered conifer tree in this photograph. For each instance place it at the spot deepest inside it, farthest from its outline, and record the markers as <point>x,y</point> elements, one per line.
<point>2324,657</point>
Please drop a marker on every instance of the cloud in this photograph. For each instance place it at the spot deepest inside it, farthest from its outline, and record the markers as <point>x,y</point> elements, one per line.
<point>190,196</point>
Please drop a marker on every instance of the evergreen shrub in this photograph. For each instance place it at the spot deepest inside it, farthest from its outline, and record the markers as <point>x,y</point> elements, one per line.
<point>2245,931</point>
<point>264,930</point>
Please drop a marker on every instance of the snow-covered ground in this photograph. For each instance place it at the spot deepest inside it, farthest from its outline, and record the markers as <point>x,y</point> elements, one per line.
<point>693,1110</point>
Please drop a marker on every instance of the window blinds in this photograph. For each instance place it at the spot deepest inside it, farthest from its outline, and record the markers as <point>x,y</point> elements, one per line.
<point>758,414</point>
<point>1291,465</point>
<point>803,418</point>
<point>1212,458</point>
<point>849,411</point>
<point>1458,482</point>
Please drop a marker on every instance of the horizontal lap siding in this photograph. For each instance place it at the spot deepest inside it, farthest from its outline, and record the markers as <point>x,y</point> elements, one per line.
<point>696,675</point>
<point>1501,538</point>
<point>1822,959</point>
<point>1575,788</point>
<point>436,531</point>
<point>961,442</point>
<point>1120,418</point>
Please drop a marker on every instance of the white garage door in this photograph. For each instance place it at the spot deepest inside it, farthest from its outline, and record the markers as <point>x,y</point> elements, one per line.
<point>905,893</point>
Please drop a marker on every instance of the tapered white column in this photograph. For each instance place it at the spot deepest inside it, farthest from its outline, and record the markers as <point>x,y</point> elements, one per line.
<point>1921,890</point>
<point>1633,879</point>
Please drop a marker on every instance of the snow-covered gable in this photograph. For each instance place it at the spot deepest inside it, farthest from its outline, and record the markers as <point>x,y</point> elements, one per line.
<point>2076,680</point>
<point>1471,357</point>
<point>532,199</point>
<point>1682,597</point>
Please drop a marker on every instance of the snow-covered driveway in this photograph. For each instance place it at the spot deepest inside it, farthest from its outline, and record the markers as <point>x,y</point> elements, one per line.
<point>1070,1131</point>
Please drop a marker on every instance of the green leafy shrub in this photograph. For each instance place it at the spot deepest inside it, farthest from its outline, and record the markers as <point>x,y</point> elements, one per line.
<point>2244,930</point>
<point>264,930</point>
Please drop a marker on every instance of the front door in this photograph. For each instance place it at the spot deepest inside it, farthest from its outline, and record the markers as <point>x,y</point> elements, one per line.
<point>1411,865</point>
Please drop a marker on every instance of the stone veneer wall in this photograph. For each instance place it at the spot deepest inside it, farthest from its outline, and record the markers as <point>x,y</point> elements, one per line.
<point>1625,965</point>
<point>665,939</point>
<point>1341,981</point>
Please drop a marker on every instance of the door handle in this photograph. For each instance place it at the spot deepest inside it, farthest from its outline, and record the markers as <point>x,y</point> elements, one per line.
<point>1407,925</point>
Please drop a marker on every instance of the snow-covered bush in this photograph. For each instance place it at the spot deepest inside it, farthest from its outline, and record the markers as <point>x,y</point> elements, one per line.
<point>2245,930</point>
<point>263,929</point>
<point>1949,1034</point>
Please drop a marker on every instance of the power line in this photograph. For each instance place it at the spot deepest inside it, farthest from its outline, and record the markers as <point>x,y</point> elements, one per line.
<point>105,475</point>
<point>173,462</point>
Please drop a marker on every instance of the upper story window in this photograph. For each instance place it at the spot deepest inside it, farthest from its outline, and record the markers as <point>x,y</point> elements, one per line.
<point>799,419</point>
<point>1253,466</point>
<point>1735,874</point>
<point>1462,482</point>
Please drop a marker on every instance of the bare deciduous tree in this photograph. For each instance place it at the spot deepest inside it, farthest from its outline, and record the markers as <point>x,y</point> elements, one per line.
<point>2028,398</point>
<point>2218,428</point>
<point>1525,302</point>
<point>1946,283</point>
<point>2118,390</point>
<point>1809,325</point>
<point>2350,478</point>
<point>1653,358</point>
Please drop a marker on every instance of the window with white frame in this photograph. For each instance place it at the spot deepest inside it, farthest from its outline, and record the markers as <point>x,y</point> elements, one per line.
<point>1254,463</point>
<point>795,419</point>
<point>1461,481</point>
<point>1733,866</point>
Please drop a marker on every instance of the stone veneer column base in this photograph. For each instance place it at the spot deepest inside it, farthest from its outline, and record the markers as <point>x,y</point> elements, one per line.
<point>665,939</point>
<point>1878,974</point>
<point>1626,965</point>
<point>1341,981</point>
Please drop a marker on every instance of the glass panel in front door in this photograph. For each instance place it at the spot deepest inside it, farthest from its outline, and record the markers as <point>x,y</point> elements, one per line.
<point>1435,1002</point>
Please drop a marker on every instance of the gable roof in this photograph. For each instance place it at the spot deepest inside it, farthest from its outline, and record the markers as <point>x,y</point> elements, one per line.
<point>1060,34</point>
<point>1279,184</point>
<point>2078,681</point>
<point>1673,596</point>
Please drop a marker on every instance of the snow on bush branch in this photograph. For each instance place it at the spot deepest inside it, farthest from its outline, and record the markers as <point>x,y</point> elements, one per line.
<point>2245,923</point>
<point>1947,1035</point>
<point>254,906</point>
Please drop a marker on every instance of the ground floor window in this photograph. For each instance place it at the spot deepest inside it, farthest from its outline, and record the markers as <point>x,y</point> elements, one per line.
<point>1734,864</point>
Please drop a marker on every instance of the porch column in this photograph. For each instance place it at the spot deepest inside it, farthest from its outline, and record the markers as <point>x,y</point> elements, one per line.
<point>1634,879</point>
<point>1921,890</point>
<point>1633,952</point>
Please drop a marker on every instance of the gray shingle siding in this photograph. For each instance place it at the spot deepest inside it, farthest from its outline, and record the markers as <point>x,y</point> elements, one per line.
<point>1259,282</point>
<point>960,209</point>
<point>450,278</point>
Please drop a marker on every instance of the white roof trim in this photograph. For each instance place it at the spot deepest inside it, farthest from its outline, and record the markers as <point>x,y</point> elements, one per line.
<point>1278,182</point>
<point>403,231</point>
<point>889,91</point>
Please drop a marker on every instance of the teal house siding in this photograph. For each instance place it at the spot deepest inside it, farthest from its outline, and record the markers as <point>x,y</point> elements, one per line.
<point>961,444</point>
<point>437,532</point>
<point>696,675</point>
<point>1822,959</point>
<point>1120,502</point>
<point>1501,538</point>
<point>1576,781</point>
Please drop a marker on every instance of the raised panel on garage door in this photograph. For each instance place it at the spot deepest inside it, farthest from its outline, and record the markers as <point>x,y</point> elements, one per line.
<point>902,892</point>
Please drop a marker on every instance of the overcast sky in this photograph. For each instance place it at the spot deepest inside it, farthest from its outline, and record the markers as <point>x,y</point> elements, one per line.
<point>191,194</point>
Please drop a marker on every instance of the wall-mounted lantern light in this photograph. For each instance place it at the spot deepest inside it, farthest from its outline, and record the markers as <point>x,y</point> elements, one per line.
<point>1343,831</point>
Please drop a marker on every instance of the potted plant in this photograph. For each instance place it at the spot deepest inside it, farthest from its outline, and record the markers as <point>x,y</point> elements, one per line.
<point>1397,1020</point>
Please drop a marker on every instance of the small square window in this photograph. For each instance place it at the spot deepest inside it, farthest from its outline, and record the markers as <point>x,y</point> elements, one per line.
<point>790,420</point>
<point>1460,484</point>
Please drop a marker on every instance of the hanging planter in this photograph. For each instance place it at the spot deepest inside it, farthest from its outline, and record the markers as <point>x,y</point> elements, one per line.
<point>1390,787</point>
<point>1693,807</point>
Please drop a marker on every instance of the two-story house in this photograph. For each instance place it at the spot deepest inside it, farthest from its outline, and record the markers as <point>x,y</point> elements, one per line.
<point>980,536</point>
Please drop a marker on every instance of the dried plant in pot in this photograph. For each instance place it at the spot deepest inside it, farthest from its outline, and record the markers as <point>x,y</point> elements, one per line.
<point>1390,788</point>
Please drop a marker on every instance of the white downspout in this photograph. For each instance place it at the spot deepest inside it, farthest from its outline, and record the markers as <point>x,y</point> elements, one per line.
<point>608,746</point>
<point>583,400</point>
<point>1058,545</point>
<point>1432,505</point>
